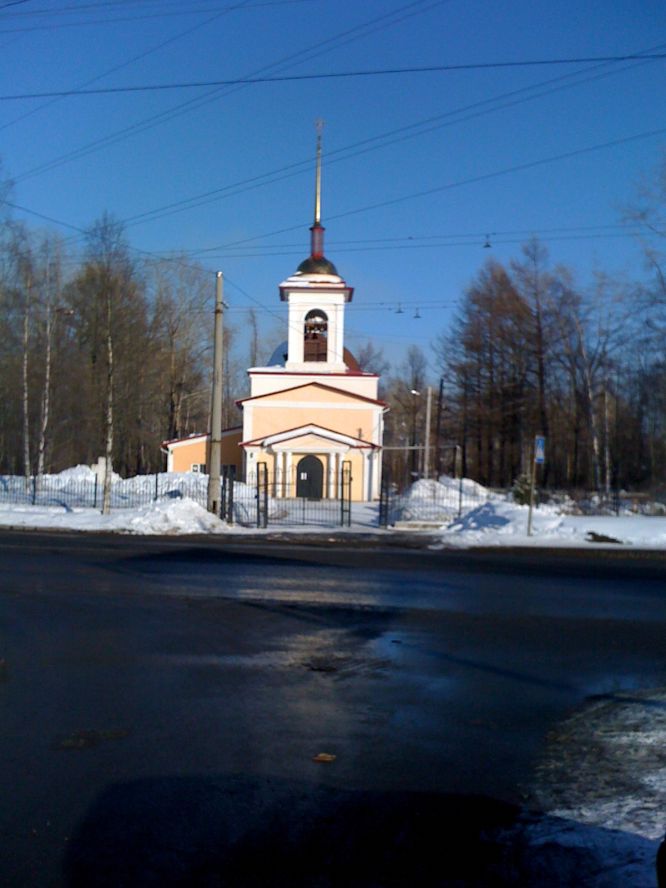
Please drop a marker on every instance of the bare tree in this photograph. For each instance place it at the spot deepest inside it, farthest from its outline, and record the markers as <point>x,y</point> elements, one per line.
<point>51,288</point>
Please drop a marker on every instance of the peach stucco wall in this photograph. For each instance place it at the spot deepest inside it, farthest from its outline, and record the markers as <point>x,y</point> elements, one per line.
<point>263,382</point>
<point>312,394</point>
<point>195,452</point>
<point>268,419</point>
<point>187,454</point>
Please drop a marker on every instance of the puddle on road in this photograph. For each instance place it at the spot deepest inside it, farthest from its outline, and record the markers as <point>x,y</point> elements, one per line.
<point>335,653</point>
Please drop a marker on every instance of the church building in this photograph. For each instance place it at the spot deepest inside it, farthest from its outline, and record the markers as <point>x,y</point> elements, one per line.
<point>312,413</point>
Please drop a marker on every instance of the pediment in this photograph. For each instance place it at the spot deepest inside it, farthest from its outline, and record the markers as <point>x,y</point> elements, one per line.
<point>308,436</point>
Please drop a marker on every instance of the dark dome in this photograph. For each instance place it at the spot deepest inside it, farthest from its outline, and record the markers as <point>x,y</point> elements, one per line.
<point>317,266</point>
<point>350,361</point>
<point>279,358</point>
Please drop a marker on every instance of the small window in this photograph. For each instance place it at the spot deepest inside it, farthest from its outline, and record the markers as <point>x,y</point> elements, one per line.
<point>195,467</point>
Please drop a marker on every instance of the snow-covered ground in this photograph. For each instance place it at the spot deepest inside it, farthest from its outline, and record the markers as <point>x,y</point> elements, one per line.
<point>502,523</point>
<point>601,785</point>
<point>486,519</point>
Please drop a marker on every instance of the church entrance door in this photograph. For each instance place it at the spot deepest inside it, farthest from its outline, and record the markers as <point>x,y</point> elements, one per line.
<point>310,478</point>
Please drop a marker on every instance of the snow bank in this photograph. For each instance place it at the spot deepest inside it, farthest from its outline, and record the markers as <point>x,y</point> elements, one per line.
<point>502,523</point>
<point>498,521</point>
<point>430,500</point>
<point>178,516</point>
<point>75,473</point>
<point>487,519</point>
<point>470,489</point>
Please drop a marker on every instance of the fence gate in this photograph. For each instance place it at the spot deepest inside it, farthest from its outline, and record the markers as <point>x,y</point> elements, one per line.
<point>227,495</point>
<point>281,501</point>
<point>385,499</point>
<point>262,495</point>
<point>345,494</point>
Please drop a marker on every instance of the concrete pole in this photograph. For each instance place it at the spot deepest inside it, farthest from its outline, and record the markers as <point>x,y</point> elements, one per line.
<point>214,490</point>
<point>532,486</point>
<point>426,452</point>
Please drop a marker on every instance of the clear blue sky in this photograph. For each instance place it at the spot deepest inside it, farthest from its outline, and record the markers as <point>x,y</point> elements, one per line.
<point>393,243</point>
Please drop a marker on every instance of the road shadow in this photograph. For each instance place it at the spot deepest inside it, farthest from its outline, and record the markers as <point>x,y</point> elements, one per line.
<point>208,556</point>
<point>247,832</point>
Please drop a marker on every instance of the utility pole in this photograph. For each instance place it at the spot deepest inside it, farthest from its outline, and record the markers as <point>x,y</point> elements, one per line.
<point>426,452</point>
<point>214,491</point>
<point>438,429</point>
<point>538,459</point>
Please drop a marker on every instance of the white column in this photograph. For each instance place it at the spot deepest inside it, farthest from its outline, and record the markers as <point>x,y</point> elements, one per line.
<point>336,478</point>
<point>289,474</point>
<point>367,485</point>
<point>295,342</point>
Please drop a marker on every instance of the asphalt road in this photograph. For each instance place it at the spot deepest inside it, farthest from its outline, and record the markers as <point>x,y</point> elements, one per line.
<point>156,694</point>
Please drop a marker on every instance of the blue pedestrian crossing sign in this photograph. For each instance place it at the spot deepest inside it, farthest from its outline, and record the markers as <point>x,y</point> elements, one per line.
<point>539,449</point>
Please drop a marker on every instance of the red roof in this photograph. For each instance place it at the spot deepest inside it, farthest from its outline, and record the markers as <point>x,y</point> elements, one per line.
<point>329,388</point>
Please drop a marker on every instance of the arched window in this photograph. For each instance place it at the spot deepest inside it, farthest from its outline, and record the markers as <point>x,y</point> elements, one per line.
<point>315,344</point>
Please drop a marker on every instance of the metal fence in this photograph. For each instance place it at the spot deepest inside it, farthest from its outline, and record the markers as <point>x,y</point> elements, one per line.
<point>260,503</point>
<point>283,502</point>
<point>72,493</point>
<point>429,501</point>
<point>265,501</point>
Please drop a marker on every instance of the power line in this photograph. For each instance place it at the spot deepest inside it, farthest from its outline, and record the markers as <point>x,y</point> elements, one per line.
<point>409,131</point>
<point>415,7</point>
<point>478,235</point>
<point>82,7</point>
<point>141,4</point>
<point>150,254</point>
<point>186,11</point>
<point>230,8</point>
<point>437,241</point>
<point>289,78</point>
<point>567,155</point>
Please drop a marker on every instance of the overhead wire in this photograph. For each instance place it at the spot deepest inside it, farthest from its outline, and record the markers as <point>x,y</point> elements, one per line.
<point>404,197</point>
<point>406,132</point>
<point>238,4</point>
<point>183,11</point>
<point>619,229</point>
<point>414,7</point>
<point>330,75</point>
<point>567,155</point>
<point>471,180</point>
<point>297,167</point>
<point>378,23</point>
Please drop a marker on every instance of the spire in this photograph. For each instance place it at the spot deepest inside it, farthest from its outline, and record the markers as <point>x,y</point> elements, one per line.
<point>317,230</point>
<point>316,263</point>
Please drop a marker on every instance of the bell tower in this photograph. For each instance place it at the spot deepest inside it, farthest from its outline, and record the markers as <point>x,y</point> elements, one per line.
<point>316,296</point>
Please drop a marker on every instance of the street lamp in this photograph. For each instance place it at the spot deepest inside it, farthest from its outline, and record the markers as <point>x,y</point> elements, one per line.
<point>214,487</point>
<point>426,448</point>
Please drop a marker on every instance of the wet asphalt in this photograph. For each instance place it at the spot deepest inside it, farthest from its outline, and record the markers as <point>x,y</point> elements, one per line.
<point>162,702</point>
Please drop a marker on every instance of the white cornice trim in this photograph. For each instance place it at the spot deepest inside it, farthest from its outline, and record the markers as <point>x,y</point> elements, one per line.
<point>317,405</point>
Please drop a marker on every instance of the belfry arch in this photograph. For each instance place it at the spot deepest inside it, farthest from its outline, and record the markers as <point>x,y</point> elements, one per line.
<point>315,336</point>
